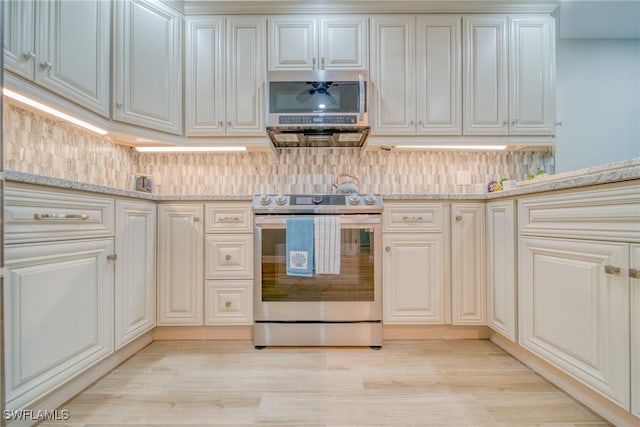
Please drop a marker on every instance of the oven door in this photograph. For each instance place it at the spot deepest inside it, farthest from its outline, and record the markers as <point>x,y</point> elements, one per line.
<point>354,295</point>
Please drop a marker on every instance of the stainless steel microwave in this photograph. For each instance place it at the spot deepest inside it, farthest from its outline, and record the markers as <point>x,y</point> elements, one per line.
<point>317,99</point>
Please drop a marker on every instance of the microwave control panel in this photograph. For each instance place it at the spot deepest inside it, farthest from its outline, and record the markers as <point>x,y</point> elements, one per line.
<point>350,119</point>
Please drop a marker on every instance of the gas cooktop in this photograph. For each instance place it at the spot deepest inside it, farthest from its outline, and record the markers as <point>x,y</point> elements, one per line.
<point>317,204</point>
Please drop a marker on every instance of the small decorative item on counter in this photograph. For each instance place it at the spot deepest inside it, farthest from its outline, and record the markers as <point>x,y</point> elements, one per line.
<point>346,183</point>
<point>494,186</point>
<point>539,172</point>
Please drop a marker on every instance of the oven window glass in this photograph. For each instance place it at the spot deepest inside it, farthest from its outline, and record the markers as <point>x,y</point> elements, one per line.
<point>354,283</point>
<point>313,97</point>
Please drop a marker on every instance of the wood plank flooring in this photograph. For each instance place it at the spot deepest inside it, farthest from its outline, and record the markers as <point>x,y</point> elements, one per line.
<point>406,383</point>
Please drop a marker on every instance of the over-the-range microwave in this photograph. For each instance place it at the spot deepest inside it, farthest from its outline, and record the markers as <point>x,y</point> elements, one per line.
<point>319,108</point>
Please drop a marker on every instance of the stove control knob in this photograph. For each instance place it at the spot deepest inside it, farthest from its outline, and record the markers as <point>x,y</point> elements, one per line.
<point>265,199</point>
<point>370,199</point>
<point>281,200</point>
<point>354,199</point>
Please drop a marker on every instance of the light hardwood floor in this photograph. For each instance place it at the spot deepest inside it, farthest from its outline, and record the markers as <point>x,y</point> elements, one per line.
<point>406,383</point>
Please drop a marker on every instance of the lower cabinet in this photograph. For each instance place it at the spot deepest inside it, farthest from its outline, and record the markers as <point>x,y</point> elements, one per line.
<point>58,313</point>
<point>501,267</point>
<point>574,309</point>
<point>135,273</point>
<point>228,302</point>
<point>180,264</point>
<point>413,269</point>
<point>634,273</point>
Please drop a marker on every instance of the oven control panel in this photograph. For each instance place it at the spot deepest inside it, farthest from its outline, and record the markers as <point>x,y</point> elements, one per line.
<point>317,203</point>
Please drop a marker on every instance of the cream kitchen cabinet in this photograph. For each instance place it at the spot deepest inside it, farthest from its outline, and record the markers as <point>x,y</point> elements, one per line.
<point>508,75</point>
<point>225,59</point>
<point>318,43</point>
<point>634,274</point>
<point>135,273</point>
<point>413,264</point>
<point>147,65</point>
<point>468,291</point>
<point>501,267</point>
<point>574,285</point>
<point>416,75</point>
<point>63,46</point>
<point>180,264</point>
<point>229,263</point>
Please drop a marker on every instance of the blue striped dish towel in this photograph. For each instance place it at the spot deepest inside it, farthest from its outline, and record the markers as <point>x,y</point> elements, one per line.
<point>299,247</point>
<point>327,244</point>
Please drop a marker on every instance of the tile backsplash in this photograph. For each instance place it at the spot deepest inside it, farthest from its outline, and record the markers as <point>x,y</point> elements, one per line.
<point>40,145</point>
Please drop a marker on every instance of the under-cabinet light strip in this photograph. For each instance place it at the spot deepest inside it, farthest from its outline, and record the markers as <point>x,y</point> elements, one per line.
<point>453,147</point>
<point>50,110</point>
<point>177,149</point>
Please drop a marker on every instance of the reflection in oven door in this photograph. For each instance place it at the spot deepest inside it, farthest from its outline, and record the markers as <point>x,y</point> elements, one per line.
<point>325,309</point>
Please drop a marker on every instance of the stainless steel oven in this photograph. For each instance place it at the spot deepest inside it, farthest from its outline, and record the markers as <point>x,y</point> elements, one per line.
<point>342,309</point>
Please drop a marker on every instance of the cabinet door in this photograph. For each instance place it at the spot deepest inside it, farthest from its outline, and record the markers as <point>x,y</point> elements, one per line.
<point>573,313</point>
<point>413,278</point>
<point>344,43</point>
<point>19,37</point>
<point>635,329</point>
<point>135,285</point>
<point>392,75</point>
<point>485,75</point>
<point>438,75</point>
<point>467,264</point>
<point>73,47</point>
<point>147,66</point>
<point>204,82</point>
<point>531,75</point>
<point>501,268</point>
<point>180,265</point>
<point>246,55</point>
<point>293,43</point>
<point>58,314</point>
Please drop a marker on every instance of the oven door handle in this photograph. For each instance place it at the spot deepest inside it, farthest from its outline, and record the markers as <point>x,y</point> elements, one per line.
<point>363,220</point>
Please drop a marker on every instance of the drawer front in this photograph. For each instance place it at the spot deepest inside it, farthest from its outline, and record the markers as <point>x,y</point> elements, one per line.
<point>229,302</point>
<point>607,214</point>
<point>414,217</point>
<point>229,256</point>
<point>228,218</point>
<point>36,215</point>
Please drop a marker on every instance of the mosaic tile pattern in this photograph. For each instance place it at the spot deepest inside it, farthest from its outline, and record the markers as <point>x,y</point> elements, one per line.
<point>39,145</point>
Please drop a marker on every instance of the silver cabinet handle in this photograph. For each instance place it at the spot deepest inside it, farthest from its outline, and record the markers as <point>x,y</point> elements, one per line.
<point>229,123</point>
<point>228,219</point>
<point>459,218</point>
<point>46,65</point>
<point>388,248</point>
<point>119,105</point>
<point>514,122</point>
<point>196,219</point>
<point>322,62</point>
<point>29,55</point>
<point>220,123</point>
<point>412,218</point>
<point>610,269</point>
<point>505,122</point>
<point>227,304</point>
<point>313,63</point>
<point>361,97</point>
<point>112,257</point>
<point>41,216</point>
<point>227,257</point>
<point>634,273</point>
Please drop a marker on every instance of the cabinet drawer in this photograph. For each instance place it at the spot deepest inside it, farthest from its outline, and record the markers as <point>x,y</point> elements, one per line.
<point>228,218</point>
<point>229,256</point>
<point>606,214</point>
<point>37,215</point>
<point>229,302</point>
<point>414,217</point>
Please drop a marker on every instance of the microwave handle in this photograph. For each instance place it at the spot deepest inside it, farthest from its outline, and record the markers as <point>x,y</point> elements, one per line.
<point>361,95</point>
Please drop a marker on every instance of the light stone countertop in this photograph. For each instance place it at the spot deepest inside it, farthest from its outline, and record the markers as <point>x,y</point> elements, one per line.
<point>612,172</point>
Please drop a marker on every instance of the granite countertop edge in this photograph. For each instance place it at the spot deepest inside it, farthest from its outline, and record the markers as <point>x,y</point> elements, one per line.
<point>609,173</point>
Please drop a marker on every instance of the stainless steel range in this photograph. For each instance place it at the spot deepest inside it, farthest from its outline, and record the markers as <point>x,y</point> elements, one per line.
<point>335,298</point>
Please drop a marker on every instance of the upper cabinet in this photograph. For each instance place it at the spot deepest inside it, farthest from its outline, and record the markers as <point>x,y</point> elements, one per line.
<point>225,72</point>
<point>147,87</point>
<point>62,46</point>
<point>312,43</point>
<point>415,75</point>
<point>508,75</point>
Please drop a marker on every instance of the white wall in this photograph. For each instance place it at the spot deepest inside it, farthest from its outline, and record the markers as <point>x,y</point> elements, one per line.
<point>598,102</point>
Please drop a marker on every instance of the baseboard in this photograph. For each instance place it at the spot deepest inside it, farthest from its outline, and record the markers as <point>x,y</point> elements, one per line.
<point>593,400</point>
<point>71,388</point>
<point>434,332</point>
<point>222,332</point>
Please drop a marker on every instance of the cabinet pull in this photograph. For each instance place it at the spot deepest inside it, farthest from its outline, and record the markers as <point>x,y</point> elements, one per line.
<point>412,218</point>
<point>610,269</point>
<point>220,123</point>
<point>196,219</point>
<point>29,55</point>
<point>459,218</point>
<point>46,65</point>
<point>322,62</point>
<point>634,273</point>
<point>227,257</point>
<point>388,248</point>
<point>227,304</point>
<point>313,63</point>
<point>228,219</point>
<point>119,105</point>
<point>112,257</point>
<point>41,216</point>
